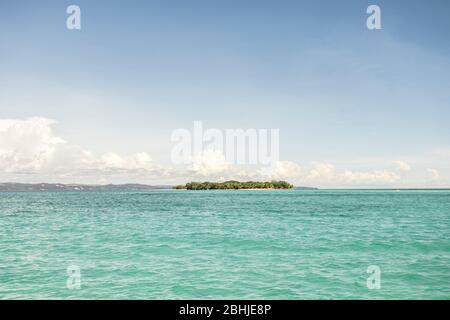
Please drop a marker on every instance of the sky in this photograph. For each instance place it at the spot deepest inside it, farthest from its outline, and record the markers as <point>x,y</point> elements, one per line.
<point>355,107</point>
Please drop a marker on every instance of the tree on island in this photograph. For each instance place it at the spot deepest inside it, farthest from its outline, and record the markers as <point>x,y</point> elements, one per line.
<point>227,185</point>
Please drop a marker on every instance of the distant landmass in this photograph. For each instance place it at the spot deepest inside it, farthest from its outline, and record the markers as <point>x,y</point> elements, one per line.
<point>35,187</point>
<point>235,185</point>
<point>29,187</point>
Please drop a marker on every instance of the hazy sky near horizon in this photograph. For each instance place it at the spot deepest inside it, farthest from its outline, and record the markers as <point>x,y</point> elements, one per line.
<point>355,107</point>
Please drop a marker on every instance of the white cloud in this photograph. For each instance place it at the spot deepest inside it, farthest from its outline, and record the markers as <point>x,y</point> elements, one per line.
<point>27,145</point>
<point>402,166</point>
<point>326,174</point>
<point>210,162</point>
<point>281,170</point>
<point>30,147</point>
<point>368,178</point>
<point>321,171</point>
<point>434,174</point>
<point>134,162</point>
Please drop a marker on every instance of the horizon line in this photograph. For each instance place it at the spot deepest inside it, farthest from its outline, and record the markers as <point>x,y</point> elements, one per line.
<point>173,185</point>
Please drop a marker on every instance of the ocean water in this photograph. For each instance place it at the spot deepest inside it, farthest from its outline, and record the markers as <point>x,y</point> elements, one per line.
<point>169,244</point>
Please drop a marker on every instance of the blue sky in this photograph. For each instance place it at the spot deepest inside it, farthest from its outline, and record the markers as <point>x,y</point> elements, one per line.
<point>339,93</point>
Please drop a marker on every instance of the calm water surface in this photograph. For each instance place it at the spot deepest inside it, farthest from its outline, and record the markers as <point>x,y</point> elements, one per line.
<point>225,244</point>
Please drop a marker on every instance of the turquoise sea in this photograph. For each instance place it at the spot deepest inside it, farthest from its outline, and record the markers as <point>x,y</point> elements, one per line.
<point>169,244</point>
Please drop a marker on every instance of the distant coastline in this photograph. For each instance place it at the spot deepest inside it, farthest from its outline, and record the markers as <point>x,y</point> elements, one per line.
<point>42,187</point>
<point>236,185</point>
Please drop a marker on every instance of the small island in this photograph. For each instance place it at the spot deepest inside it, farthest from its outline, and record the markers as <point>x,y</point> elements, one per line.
<point>235,185</point>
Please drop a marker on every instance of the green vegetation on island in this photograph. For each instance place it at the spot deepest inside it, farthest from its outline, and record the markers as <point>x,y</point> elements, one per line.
<point>235,185</point>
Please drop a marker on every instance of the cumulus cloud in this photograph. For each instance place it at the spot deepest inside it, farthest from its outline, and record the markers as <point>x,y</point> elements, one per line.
<point>368,178</point>
<point>321,171</point>
<point>402,166</point>
<point>434,174</point>
<point>281,170</point>
<point>136,161</point>
<point>27,145</point>
<point>31,147</point>
<point>210,162</point>
<point>327,174</point>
